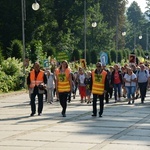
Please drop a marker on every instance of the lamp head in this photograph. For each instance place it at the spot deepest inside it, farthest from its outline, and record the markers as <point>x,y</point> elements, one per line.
<point>35,6</point>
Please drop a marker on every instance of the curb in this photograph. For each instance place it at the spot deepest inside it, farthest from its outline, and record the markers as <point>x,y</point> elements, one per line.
<point>13,93</point>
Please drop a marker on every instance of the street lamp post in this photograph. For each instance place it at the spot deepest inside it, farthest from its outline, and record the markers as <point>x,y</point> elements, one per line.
<point>85,30</point>
<point>23,35</point>
<point>147,40</point>
<point>118,5</point>
<point>140,37</point>
<point>35,6</point>
<point>117,32</point>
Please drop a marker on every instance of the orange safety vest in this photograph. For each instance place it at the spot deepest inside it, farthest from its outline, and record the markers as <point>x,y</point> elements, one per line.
<point>36,81</point>
<point>98,82</point>
<point>63,80</point>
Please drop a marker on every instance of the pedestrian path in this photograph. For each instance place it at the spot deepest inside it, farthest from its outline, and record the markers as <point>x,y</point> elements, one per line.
<point>123,126</point>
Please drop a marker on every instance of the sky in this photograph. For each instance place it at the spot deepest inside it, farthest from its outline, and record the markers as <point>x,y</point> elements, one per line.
<point>141,4</point>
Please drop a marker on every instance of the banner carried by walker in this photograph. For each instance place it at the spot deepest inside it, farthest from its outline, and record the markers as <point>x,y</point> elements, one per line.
<point>83,63</point>
<point>62,56</point>
<point>104,58</point>
<point>132,58</point>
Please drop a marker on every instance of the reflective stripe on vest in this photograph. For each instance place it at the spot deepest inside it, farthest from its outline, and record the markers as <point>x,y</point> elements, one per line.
<point>63,81</point>
<point>36,81</point>
<point>98,82</point>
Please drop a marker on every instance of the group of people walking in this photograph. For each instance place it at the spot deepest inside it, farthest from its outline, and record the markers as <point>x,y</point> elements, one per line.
<point>93,85</point>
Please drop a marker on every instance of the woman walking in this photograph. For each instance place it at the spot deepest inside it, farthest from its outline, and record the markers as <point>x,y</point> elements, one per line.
<point>63,85</point>
<point>116,82</point>
<point>130,80</point>
<point>82,86</point>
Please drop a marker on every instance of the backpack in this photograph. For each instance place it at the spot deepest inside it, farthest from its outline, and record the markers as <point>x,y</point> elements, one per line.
<point>144,71</point>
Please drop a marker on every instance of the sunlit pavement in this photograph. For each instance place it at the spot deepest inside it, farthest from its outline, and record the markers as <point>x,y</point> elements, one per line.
<point>122,127</point>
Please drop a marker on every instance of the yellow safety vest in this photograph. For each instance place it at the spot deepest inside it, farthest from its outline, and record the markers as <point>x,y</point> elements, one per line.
<point>63,80</point>
<point>98,82</point>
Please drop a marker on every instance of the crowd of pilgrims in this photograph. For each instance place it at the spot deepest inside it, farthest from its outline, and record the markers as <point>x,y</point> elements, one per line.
<point>129,81</point>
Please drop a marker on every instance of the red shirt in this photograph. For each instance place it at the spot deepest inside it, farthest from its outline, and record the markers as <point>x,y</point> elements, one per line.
<point>116,78</point>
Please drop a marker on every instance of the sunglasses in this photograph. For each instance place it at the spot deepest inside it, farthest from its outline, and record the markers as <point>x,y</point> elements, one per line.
<point>98,66</point>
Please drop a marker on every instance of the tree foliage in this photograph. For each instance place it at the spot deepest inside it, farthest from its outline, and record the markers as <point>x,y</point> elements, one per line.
<point>10,73</point>
<point>75,55</point>
<point>16,49</point>
<point>93,57</point>
<point>59,25</point>
<point>134,14</point>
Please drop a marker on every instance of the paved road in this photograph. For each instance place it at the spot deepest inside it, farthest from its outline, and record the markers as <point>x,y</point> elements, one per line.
<point>123,126</point>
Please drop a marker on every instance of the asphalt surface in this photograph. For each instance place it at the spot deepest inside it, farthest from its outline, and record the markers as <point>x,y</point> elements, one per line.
<point>122,127</point>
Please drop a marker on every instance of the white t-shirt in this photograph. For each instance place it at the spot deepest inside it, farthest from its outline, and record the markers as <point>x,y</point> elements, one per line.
<point>81,78</point>
<point>50,81</point>
<point>129,78</point>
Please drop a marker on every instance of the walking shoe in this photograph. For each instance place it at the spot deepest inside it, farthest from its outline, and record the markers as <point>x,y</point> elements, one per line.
<point>39,114</point>
<point>63,114</point>
<point>32,114</point>
<point>124,95</point>
<point>137,95</point>
<point>94,115</point>
<point>100,115</point>
<point>73,96</point>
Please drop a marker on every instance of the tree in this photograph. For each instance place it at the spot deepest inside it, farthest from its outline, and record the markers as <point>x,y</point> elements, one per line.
<point>110,10</point>
<point>119,56</point>
<point>148,8</point>
<point>16,49</point>
<point>36,51</point>
<point>75,55</point>
<point>124,54</point>
<point>1,56</point>
<point>10,23</point>
<point>93,57</point>
<point>113,55</point>
<point>113,13</point>
<point>49,50</point>
<point>134,14</point>
<point>136,26</point>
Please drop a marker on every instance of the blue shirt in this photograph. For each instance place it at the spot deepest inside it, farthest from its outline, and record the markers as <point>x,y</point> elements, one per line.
<point>142,76</point>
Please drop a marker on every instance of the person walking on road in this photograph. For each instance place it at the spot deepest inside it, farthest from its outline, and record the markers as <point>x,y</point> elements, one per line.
<point>130,80</point>
<point>87,82</point>
<point>142,79</point>
<point>37,82</point>
<point>116,82</point>
<point>50,86</point>
<point>63,85</point>
<point>82,87</point>
<point>99,84</point>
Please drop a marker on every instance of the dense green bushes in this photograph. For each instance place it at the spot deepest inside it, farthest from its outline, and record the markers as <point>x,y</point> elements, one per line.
<point>10,73</point>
